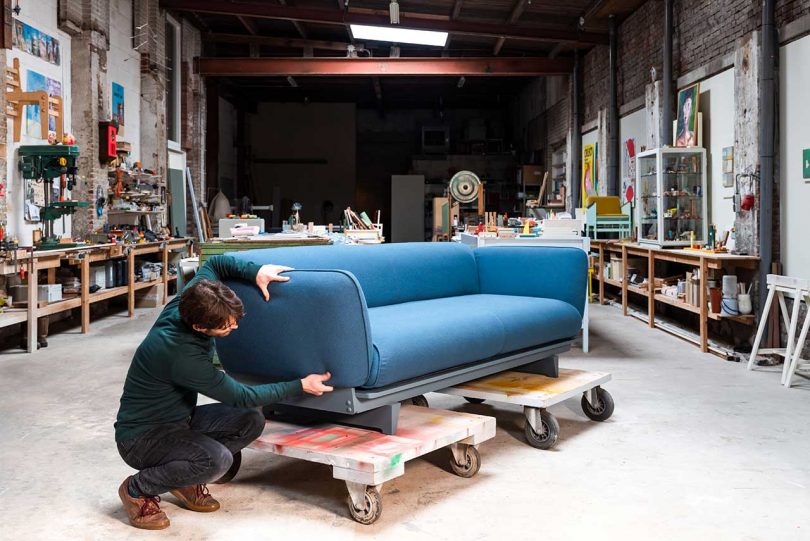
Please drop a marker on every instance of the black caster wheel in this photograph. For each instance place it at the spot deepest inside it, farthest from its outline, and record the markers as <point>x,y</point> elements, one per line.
<point>232,471</point>
<point>602,410</point>
<point>547,437</point>
<point>420,401</point>
<point>471,464</point>
<point>474,400</point>
<point>372,507</point>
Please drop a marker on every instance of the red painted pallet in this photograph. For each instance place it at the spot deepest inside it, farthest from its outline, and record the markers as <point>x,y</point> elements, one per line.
<point>365,459</point>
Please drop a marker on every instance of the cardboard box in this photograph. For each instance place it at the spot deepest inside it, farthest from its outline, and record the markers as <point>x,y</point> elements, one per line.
<point>45,293</point>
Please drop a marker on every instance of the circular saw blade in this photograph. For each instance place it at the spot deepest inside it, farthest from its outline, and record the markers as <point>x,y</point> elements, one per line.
<point>464,186</point>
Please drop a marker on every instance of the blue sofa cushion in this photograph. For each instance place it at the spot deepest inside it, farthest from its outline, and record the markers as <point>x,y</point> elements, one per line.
<point>388,273</point>
<point>418,338</point>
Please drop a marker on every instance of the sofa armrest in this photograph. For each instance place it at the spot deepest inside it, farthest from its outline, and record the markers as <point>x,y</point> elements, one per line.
<point>534,271</point>
<point>316,322</point>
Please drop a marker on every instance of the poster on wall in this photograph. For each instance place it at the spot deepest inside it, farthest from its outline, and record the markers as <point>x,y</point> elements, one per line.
<point>37,81</point>
<point>36,43</point>
<point>118,106</point>
<point>629,180</point>
<point>688,105</point>
<point>589,182</point>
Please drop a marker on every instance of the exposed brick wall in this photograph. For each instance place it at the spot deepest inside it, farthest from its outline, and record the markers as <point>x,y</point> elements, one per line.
<point>705,31</point>
<point>193,115</point>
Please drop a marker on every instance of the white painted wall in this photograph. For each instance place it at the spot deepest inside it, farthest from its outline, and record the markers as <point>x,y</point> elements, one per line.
<point>717,106</point>
<point>123,67</point>
<point>794,135</point>
<point>43,18</point>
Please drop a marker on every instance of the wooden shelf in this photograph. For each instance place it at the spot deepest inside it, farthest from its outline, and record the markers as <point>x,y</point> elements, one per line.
<point>144,285</point>
<point>745,320</point>
<point>613,282</point>
<point>59,306</point>
<point>637,290</point>
<point>672,301</point>
<point>105,294</point>
<point>12,316</point>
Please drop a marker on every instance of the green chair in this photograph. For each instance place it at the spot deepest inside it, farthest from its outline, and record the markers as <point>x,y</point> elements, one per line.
<point>606,214</point>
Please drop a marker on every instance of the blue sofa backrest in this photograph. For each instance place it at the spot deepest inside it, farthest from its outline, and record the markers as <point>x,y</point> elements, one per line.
<point>388,273</point>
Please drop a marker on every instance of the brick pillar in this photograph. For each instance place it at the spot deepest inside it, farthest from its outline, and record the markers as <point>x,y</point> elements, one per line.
<point>653,103</point>
<point>193,114</point>
<point>746,137</point>
<point>90,104</point>
<point>154,143</point>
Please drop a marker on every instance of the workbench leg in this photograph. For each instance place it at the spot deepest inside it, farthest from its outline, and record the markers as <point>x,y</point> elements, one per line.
<point>131,283</point>
<point>624,280</point>
<point>165,254</point>
<point>33,306</point>
<point>792,365</point>
<point>85,308</point>
<point>704,307</point>
<point>52,275</point>
<point>651,289</point>
<point>601,275</point>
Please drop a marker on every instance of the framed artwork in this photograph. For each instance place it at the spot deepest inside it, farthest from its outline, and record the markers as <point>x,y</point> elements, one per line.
<point>36,43</point>
<point>588,172</point>
<point>118,105</point>
<point>37,81</point>
<point>686,134</point>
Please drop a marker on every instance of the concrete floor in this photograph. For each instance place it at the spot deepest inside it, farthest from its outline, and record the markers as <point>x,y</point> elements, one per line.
<point>698,449</point>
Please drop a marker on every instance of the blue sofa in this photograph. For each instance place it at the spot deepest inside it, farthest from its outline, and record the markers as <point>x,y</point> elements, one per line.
<point>393,321</point>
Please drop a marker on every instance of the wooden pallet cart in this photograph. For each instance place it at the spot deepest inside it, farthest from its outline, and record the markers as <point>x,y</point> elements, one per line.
<point>536,394</point>
<point>365,459</point>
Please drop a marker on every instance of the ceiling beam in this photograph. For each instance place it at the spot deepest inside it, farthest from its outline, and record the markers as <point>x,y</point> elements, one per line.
<point>298,26</point>
<point>457,5</point>
<point>517,11</point>
<point>332,16</point>
<point>288,43</point>
<point>249,25</point>
<point>384,67</point>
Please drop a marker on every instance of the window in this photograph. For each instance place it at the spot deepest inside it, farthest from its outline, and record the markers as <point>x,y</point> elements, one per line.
<point>173,82</point>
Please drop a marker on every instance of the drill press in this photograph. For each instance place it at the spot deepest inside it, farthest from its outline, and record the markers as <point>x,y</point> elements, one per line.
<point>47,163</point>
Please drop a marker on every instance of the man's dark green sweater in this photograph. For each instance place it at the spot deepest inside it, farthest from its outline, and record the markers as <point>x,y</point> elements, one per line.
<point>173,364</point>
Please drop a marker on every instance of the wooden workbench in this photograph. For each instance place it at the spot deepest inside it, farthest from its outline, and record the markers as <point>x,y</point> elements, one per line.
<point>695,258</point>
<point>280,240</point>
<point>83,256</point>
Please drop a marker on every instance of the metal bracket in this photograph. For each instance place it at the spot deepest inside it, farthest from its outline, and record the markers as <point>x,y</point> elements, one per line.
<point>357,492</point>
<point>533,418</point>
<point>459,451</point>
<point>592,397</point>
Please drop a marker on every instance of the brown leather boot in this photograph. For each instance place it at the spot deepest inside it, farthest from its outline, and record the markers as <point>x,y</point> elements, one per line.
<point>143,512</point>
<point>196,498</point>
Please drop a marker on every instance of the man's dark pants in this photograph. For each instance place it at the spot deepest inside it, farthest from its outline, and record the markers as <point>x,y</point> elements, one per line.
<point>199,450</point>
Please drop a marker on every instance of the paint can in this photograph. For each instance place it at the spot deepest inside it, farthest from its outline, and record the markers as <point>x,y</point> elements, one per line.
<point>730,307</point>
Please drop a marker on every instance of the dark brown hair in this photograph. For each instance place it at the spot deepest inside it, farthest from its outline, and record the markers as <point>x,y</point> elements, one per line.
<point>209,305</point>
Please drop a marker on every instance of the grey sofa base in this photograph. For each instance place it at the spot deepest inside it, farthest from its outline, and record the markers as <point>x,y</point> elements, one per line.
<point>352,402</point>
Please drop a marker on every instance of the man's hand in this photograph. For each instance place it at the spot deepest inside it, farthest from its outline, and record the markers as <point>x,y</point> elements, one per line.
<point>313,384</point>
<point>270,273</point>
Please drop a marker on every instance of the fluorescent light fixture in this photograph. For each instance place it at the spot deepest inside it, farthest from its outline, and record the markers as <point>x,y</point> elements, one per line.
<point>399,35</point>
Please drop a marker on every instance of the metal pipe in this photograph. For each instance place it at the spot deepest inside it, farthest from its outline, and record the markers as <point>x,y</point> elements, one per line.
<point>613,113</point>
<point>767,133</point>
<point>576,134</point>
<point>666,115</point>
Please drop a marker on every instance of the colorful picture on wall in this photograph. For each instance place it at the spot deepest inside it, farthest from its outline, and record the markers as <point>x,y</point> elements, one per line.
<point>37,81</point>
<point>588,172</point>
<point>36,43</point>
<point>118,105</point>
<point>688,105</point>
<point>629,179</point>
